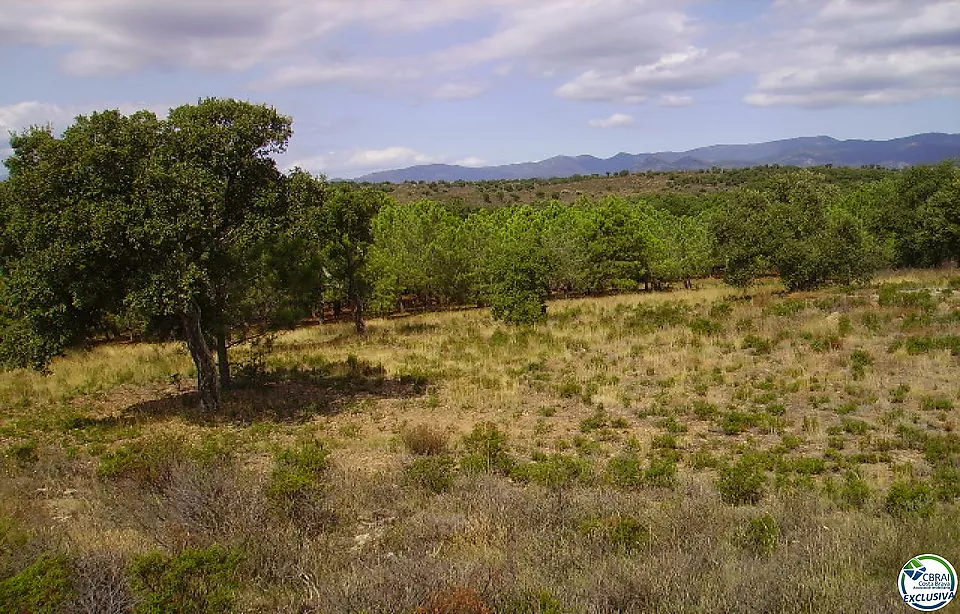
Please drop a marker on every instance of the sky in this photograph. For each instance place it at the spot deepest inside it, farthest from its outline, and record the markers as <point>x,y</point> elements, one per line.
<point>381,84</point>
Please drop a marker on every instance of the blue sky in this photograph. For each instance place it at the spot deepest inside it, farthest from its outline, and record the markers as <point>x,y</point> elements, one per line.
<point>377,84</point>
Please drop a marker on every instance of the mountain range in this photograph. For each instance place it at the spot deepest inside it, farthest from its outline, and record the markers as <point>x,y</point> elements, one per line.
<point>804,151</point>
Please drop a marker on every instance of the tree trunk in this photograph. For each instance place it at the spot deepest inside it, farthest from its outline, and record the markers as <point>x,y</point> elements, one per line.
<point>358,322</point>
<point>223,359</point>
<point>208,385</point>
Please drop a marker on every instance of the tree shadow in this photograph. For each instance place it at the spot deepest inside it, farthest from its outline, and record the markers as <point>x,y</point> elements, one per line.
<point>285,395</point>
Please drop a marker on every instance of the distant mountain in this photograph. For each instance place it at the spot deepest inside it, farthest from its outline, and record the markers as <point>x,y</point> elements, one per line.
<point>804,151</point>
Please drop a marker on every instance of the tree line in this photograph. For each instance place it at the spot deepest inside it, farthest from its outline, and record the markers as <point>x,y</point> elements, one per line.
<point>185,227</point>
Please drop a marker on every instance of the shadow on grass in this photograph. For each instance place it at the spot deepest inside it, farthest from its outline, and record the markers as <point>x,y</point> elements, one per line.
<point>285,395</point>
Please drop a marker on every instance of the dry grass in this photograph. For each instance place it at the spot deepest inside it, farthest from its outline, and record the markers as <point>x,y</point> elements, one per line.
<point>825,395</point>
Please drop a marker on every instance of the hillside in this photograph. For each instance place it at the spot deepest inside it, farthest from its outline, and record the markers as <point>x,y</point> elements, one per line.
<point>444,458</point>
<point>804,151</point>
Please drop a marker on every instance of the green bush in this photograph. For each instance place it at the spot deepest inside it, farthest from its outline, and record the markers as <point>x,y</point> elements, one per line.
<point>910,498</point>
<point>661,472</point>
<point>761,534</point>
<point>486,447</point>
<point>859,361</point>
<point>196,581</point>
<point>42,588</point>
<point>855,492</point>
<point>625,533</point>
<point>434,473</point>
<point>297,471</point>
<point>759,345</point>
<point>517,307</point>
<point>742,483</point>
<point>735,422</point>
<point>625,470</point>
<point>706,326</point>
<point>556,472</point>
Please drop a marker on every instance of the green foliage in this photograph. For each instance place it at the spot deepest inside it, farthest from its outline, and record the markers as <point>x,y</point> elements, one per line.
<point>195,581</point>
<point>661,472</point>
<point>859,361</point>
<point>178,223</point>
<point>627,534</point>
<point>625,470</point>
<point>910,498</point>
<point>42,588</point>
<point>924,345</point>
<point>742,482</point>
<point>854,492</point>
<point>297,471</point>
<point>434,473</point>
<point>486,447</point>
<point>556,472</point>
<point>797,229</point>
<point>759,345</point>
<point>24,453</point>
<point>761,534</point>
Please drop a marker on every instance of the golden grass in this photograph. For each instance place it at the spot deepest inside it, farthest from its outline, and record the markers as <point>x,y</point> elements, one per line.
<point>603,375</point>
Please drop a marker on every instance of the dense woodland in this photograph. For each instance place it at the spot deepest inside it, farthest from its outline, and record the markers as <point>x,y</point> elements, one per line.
<point>186,227</point>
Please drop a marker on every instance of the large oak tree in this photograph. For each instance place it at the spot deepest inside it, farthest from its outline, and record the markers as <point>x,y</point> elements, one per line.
<point>183,221</point>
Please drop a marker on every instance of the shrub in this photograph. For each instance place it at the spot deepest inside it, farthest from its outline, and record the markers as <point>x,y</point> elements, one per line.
<point>625,533</point>
<point>147,462</point>
<point>297,471</point>
<point>625,470</point>
<point>517,306</point>
<point>424,440</point>
<point>899,394</point>
<point>597,420</point>
<point>859,361</point>
<point>539,602</point>
<point>706,326</point>
<point>569,389</point>
<point>25,453</point>
<point>662,472</point>
<point>910,498</point>
<point>487,449</point>
<point>734,422</point>
<point>42,588</point>
<point>855,492</point>
<point>741,483</point>
<point>761,534</point>
<point>759,345</point>
<point>932,403</point>
<point>557,471</point>
<point>434,473</point>
<point>196,581</point>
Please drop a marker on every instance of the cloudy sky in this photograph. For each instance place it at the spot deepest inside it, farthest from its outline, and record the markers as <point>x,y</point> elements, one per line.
<point>375,84</point>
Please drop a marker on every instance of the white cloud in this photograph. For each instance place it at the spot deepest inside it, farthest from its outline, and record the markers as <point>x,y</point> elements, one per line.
<point>21,115</point>
<point>690,68</point>
<point>841,52</point>
<point>471,161</point>
<point>458,91</point>
<point>673,100</point>
<point>351,163</point>
<point>391,156</point>
<point>614,121</point>
<point>801,52</point>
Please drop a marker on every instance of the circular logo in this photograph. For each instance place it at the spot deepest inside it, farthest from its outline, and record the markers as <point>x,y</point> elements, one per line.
<point>927,582</point>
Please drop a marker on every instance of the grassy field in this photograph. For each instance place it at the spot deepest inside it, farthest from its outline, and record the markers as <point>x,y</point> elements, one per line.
<point>710,450</point>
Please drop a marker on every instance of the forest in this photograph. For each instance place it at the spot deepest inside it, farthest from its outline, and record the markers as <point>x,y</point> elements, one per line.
<point>228,387</point>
